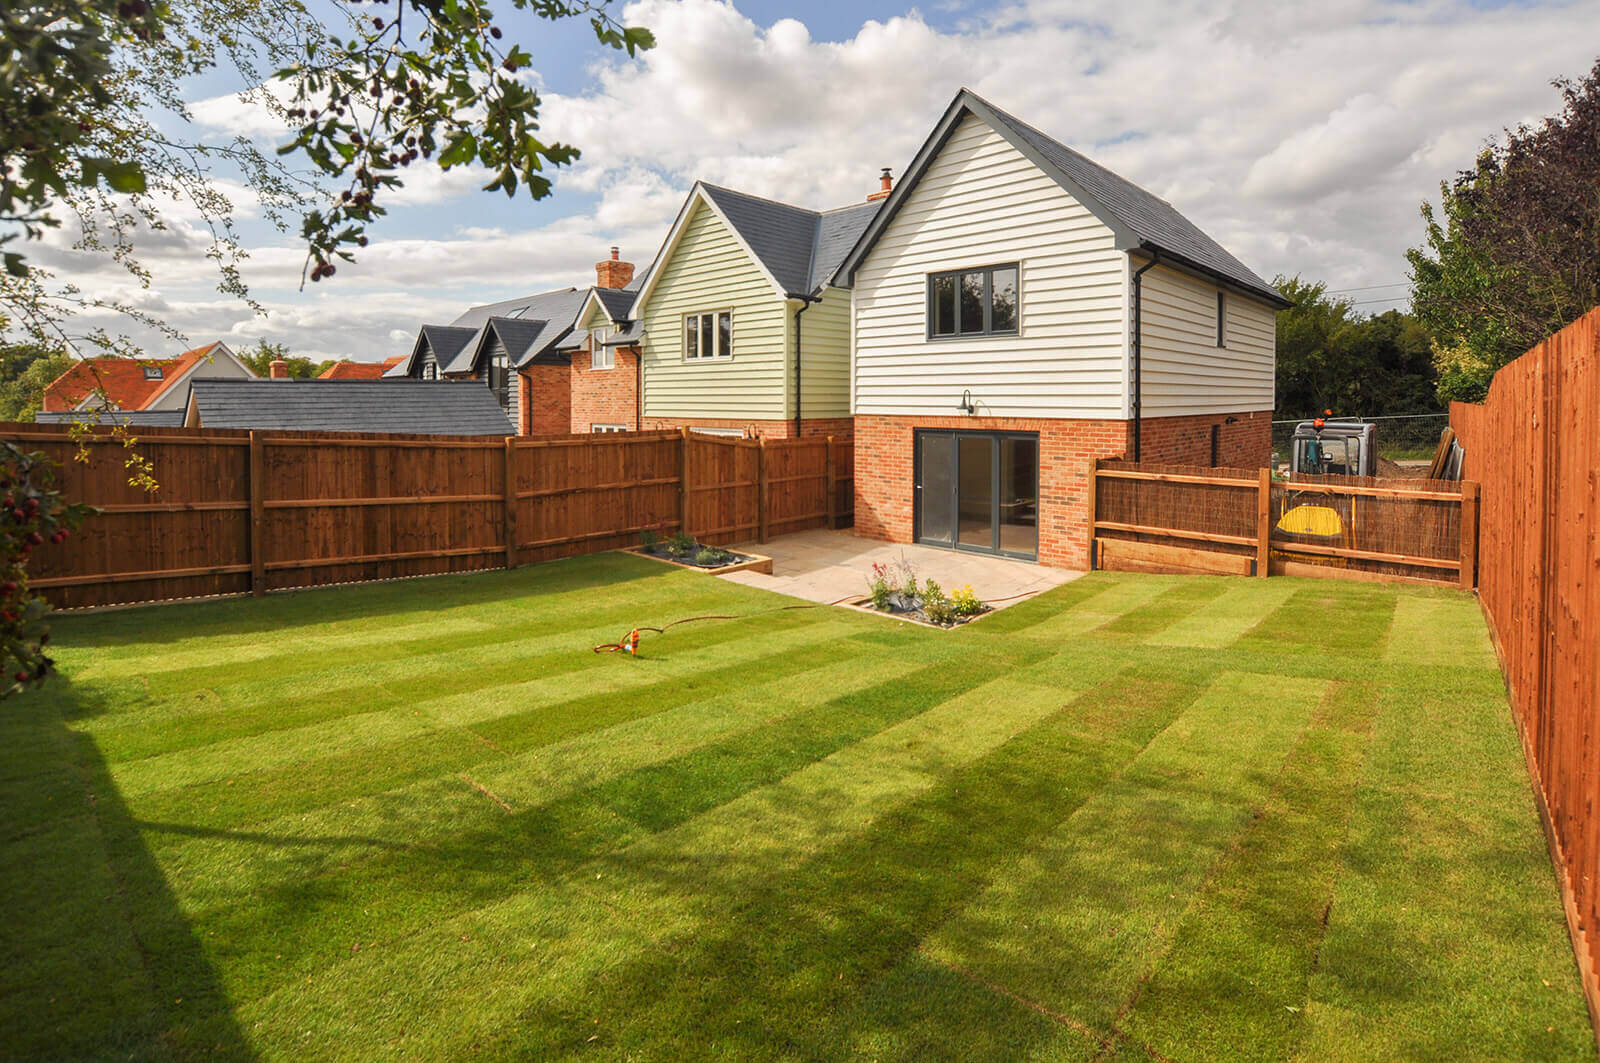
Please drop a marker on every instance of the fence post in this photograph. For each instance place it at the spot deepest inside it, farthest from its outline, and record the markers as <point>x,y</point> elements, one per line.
<point>833,487</point>
<point>1264,523</point>
<point>258,561</point>
<point>1469,535</point>
<point>761,488</point>
<point>1089,497</point>
<point>683,482</point>
<point>510,490</point>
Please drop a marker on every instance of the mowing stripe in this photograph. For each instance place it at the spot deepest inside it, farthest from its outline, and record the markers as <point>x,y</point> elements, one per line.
<point>1247,945</point>
<point>1444,941</point>
<point>255,795</point>
<point>304,910</point>
<point>1167,608</point>
<point>1075,923</point>
<point>1223,619</point>
<point>1119,598</point>
<point>364,730</point>
<point>1326,619</point>
<point>1445,630</point>
<point>756,835</point>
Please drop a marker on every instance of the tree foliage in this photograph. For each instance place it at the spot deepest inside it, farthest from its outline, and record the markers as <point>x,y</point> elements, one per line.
<point>93,132</point>
<point>32,513</point>
<point>1513,252</point>
<point>1332,357</point>
<point>260,358</point>
<point>26,369</point>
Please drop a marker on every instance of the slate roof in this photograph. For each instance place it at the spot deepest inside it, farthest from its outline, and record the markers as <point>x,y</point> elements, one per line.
<point>415,406</point>
<point>519,334</point>
<point>134,418</point>
<point>801,248</point>
<point>617,301</point>
<point>1139,219</point>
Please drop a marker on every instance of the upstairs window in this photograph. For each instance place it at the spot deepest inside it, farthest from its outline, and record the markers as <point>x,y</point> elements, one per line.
<point>152,372</point>
<point>430,370</point>
<point>601,356</point>
<point>708,335</point>
<point>499,374</point>
<point>1221,320</point>
<point>973,302</point>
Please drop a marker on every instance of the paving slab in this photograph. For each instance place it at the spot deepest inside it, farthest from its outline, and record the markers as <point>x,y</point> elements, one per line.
<point>829,566</point>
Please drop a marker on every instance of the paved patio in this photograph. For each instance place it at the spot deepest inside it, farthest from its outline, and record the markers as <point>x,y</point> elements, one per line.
<point>825,566</point>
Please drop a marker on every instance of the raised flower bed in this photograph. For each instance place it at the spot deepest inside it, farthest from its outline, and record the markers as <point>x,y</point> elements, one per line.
<point>895,590</point>
<point>683,551</point>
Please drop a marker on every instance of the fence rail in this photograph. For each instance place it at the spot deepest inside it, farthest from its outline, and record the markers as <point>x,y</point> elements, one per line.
<point>1244,522</point>
<point>241,512</point>
<point>1535,445</point>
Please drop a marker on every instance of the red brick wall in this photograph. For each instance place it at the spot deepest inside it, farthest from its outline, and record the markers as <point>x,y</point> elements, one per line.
<point>546,400</point>
<point>1245,444</point>
<point>605,396</point>
<point>840,428</point>
<point>884,484</point>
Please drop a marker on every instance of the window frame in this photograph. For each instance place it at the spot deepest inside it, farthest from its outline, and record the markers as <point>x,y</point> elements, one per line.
<point>1222,319</point>
<point>500,362</point>
<point>716,335</point>
<point>603,429</point>
<point>154,372</point>
<point>930,311</point>
<point>598,350</point>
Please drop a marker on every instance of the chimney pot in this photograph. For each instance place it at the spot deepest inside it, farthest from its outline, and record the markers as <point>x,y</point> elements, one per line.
<point>616,253</point>
<point>278,369</point>
<point>886,185</point>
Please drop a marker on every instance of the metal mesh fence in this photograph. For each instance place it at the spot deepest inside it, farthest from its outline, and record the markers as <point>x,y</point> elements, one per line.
<point>1405,443</point>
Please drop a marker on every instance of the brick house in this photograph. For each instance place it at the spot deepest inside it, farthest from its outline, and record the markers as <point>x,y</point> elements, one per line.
<point>606,369</point>
<point>1019,310</point>
<point>737,322</point>
<point>155,388</point>
<point>533,355</point>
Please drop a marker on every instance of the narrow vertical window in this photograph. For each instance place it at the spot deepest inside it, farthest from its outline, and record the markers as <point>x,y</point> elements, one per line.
<point>1221,320</point>
<point>944,305</point>
<point>725,335</point>
<point>691,336</point>
<point>708,341</point>
<point>1003,300</point>
<point>971,308</point>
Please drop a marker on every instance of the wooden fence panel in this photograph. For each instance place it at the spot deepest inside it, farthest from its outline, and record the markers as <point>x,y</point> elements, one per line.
<point>1535,446</point>
<point>239,512</point>
<point>1192,519</point>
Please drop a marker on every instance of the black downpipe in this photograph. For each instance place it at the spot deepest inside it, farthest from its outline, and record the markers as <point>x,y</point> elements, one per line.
<point>1138,344</point>
<point>805,304</point>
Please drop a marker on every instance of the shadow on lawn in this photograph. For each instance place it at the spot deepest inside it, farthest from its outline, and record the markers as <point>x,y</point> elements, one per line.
<point>397,599</point>
<point>100,961</point>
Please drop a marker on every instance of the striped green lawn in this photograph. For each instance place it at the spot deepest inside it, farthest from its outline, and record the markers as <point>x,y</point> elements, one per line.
<point>1140,817</point>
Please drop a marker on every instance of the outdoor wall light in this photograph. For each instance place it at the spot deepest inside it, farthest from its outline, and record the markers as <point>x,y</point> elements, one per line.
<point>966,405</point>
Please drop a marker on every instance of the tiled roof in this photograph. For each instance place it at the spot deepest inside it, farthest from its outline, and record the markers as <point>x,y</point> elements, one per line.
<point>416,406</point>
<point>125,382</point>
<point>1139,220</point>
<point>801,248</point>
<point>359,370</point>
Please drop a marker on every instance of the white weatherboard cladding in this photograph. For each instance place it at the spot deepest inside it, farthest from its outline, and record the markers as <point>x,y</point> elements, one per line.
<point>825,356</point>
<point>709,271</point>
<point>1184,371</point>
<point>981,202</point>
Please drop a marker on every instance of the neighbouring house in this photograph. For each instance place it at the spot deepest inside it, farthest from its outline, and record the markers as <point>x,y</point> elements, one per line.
<point>385,406</point>
<point>1019,311</point>
<point>741,329</point>
<point>606,369</point>
<point>520,349</point>
<point>149,386</point>
<point>345,370</point>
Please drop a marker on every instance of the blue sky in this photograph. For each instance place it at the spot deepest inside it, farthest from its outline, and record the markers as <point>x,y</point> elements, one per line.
<point>1302,137</point>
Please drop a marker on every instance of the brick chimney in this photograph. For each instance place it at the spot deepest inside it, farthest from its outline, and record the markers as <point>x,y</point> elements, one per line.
<point>613,272</point>
<point>278,369</point>
<point>888,186</point>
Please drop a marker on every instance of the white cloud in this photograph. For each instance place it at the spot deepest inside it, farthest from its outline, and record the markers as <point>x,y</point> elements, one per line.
<point>1302,138</point>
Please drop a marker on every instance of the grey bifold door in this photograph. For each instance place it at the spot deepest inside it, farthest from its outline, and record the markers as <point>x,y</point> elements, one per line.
<point>978,491</point>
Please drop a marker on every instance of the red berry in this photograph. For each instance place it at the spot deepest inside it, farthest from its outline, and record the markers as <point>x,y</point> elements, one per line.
<point>8,587</point>
<point>35,539</point>
<point>18,516</point>
<point>22,677</point>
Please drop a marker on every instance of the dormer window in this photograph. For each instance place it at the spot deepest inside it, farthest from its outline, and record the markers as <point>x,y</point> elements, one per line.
<point>152,372</point>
